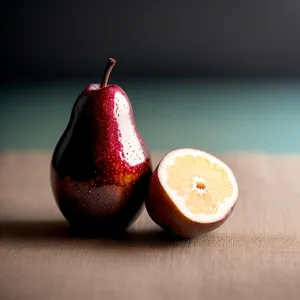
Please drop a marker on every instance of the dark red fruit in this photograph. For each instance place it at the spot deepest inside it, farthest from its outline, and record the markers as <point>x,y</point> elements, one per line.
<point>101,167</point>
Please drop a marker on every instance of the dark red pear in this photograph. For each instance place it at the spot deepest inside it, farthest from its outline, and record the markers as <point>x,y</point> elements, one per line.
<point>101,166</point>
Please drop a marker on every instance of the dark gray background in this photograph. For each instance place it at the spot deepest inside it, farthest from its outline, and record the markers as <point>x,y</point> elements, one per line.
<point>53,39</point>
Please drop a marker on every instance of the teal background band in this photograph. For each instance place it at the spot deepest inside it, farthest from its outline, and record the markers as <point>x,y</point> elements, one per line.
<point>215,115</point>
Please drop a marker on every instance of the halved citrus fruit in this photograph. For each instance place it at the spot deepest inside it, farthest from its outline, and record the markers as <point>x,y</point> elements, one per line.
<point>190,192</point>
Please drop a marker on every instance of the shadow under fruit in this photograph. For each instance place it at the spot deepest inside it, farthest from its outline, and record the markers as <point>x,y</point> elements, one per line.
<point>101,167</point>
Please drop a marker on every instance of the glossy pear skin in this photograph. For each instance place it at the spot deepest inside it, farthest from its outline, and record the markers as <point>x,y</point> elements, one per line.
<point>101,166</point>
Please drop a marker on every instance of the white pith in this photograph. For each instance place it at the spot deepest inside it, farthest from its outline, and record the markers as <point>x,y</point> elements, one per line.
<point>223,208</point>
<point>197,179</point>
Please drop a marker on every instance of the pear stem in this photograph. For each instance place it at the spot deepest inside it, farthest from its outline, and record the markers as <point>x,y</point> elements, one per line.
<point>110,64</point>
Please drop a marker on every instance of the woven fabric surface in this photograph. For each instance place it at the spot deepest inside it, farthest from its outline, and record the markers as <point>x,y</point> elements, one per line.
<point>254,255</point>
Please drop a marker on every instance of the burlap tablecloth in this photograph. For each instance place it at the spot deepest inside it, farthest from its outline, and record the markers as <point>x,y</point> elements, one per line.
<point>255,255</point>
